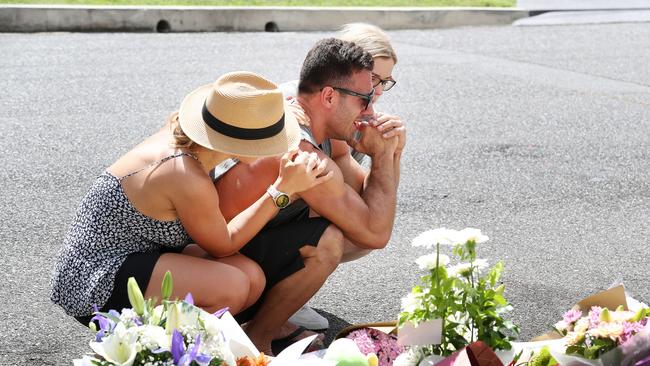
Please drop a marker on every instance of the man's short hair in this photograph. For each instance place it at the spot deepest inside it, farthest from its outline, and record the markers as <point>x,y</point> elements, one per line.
<point>332,62</point>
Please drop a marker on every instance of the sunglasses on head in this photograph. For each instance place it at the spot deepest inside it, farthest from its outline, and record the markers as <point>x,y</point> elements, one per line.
<point>366,97</point>
<point>386,84</point>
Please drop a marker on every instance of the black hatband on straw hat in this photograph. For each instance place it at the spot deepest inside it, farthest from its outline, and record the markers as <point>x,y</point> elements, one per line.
<point>238,132</point>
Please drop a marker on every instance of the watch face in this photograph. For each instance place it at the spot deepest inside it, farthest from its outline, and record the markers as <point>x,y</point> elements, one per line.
<point>282,201</point>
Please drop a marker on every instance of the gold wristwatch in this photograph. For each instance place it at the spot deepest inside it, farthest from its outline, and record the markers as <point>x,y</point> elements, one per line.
<point>280,199</point>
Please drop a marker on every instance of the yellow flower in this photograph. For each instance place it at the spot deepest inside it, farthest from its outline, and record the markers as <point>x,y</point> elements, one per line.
<point>574,338</point>
<point>612,331</point>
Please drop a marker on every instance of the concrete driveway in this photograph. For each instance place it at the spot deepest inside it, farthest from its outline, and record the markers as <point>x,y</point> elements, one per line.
<point>539,136</point>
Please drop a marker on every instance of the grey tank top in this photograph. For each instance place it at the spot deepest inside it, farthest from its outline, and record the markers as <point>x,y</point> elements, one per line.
<point>106,229</point>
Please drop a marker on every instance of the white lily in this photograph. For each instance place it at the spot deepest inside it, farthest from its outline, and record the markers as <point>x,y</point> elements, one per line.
<point>85,361</point>
<point>156,315</point>
<point>211,323</point>
<point>181,315</point>
<point>119,347</point>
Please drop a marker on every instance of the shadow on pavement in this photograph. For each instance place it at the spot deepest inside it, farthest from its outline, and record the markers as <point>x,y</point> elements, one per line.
<point>336,324</point>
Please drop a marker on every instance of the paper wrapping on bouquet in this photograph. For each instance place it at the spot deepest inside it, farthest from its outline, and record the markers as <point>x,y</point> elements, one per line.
<point>242,346</point>
<point>389,327</point>
<point>626,355</point>
<point>426,333</point>
<point>475,354</point>
<point>611,299</point>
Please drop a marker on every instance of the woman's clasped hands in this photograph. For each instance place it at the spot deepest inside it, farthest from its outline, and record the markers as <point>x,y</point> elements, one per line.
<point>300,171</point>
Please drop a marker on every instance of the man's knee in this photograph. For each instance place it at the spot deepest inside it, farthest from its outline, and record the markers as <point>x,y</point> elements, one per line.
<point>330,247</point>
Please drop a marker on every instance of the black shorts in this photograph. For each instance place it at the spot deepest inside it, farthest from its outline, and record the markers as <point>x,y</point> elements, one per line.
<point>137,265</point>
<point>276,249</point>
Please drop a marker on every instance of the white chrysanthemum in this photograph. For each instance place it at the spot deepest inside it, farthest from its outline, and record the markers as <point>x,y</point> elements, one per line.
<point>411,302</point>
<point>460,269</point>
<point>430,238</point>
<point>481,264</point>
<point>467,234</point>
<point>410,357</point>
<point>428,261</point>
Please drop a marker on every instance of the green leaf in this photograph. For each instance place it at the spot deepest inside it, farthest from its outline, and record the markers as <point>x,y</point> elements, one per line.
<point>574,350</point>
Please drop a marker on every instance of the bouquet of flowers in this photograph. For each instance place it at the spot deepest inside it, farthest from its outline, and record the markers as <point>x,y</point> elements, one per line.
<point>601,330</point>
<point>467,295</point>
<point>173,333</point>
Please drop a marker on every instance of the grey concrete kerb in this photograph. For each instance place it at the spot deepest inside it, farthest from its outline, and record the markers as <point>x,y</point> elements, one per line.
<point>39,18</point>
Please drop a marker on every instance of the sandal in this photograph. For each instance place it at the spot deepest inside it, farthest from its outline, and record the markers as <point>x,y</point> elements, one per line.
<point>277,345</point>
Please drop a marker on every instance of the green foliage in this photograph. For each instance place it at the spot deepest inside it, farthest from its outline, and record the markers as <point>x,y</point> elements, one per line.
<point>145,356</point>
<point>542,358</point>
<point>471,306</point>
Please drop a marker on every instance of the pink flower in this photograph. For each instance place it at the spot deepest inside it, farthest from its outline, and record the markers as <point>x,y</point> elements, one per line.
<point>363,340</point>
<point>630,329</point>
<point>594,316</point>
<point>572,316</point>
<point>383,345</point>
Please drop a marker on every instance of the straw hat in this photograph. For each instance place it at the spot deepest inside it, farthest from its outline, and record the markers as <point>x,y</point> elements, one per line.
<point>241,113</point>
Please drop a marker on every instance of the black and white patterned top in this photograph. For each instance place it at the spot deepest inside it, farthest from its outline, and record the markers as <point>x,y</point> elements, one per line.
<point>106,229</point>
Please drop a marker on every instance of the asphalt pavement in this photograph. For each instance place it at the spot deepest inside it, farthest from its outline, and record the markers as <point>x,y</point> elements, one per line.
<point>539,136</point>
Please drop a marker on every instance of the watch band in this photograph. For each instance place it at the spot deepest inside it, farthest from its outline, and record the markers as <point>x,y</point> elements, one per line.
<point>280,199</point>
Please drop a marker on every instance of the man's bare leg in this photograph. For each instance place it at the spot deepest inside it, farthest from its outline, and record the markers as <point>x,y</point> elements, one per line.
<point>286,297</point>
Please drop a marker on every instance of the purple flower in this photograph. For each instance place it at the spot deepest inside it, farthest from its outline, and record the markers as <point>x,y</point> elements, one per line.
<point>178,346</point>
<point>192,354</point>
<point>643,362</point>
<point>189,299</point>
<point>572,316</point>
<point>106,325</point>
<point>219,313</point>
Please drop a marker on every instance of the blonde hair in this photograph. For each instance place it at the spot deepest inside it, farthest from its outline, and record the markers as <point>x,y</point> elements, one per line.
<point>179,138</point>
<point>369,37</point>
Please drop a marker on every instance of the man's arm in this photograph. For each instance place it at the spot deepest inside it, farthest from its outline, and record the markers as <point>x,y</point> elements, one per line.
<point>366,218</point>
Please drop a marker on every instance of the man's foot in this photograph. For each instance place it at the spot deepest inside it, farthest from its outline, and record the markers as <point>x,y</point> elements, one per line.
<point>279,344</point>
<point>308,318</point>
<point>287,335</point>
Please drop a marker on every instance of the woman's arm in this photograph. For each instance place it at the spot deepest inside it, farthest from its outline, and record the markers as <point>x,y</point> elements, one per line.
<point>197,205</point>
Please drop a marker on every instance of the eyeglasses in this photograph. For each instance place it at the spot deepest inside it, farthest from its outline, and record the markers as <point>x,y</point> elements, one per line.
<point>366,97</point>
<point>386,84</point>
